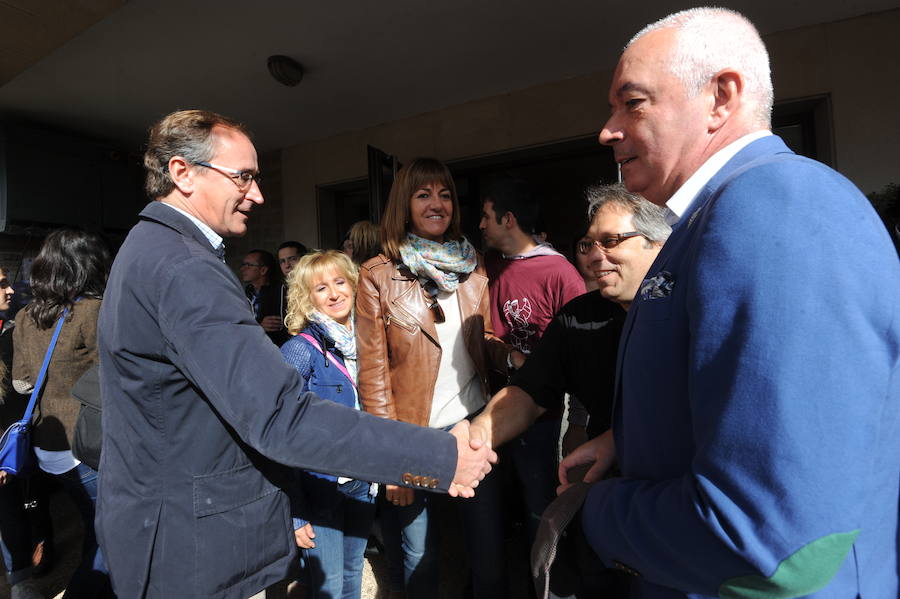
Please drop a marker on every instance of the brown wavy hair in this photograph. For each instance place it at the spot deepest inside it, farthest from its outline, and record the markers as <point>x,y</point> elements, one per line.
<point>416,174</point>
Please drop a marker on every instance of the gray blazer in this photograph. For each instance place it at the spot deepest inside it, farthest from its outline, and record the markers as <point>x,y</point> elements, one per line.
<point>198,405</point>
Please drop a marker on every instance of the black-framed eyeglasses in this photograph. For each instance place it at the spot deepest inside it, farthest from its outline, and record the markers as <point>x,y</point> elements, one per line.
<point>606,243</point>
<point>431,292</point>
<point>243,179</point>
<point>250,264</point>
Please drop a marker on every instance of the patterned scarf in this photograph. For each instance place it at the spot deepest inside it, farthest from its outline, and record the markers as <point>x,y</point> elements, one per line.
<point>343,338</point>
<point>443,263</point>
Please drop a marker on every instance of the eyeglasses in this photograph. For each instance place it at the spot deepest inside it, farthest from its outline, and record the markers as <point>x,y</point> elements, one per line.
<point>607,243</point>
<point>243,179</point>
<point>250,264</point>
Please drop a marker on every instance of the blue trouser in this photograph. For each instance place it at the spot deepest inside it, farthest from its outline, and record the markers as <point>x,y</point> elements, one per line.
<point>91,577</point>
<point>341,517</point>
<point>533,455</point>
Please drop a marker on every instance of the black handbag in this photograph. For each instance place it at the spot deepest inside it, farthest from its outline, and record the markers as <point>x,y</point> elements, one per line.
<point>88,434</point>
<point>16,453</point>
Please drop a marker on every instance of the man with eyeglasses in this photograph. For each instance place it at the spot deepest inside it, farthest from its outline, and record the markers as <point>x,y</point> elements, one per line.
<point>577,353</point>
<point>198,405</point>
<point>262,284</point>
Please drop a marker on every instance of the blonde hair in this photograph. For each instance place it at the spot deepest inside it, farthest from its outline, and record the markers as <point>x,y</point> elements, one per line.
<point>300,279</point>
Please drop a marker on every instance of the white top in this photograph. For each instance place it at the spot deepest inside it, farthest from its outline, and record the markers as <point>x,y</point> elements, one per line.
<point>681,199</point>
<point>457,392</point>
<point>55,462</point>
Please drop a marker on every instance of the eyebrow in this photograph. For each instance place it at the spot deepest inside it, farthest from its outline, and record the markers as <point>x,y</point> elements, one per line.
<point>632,87</point>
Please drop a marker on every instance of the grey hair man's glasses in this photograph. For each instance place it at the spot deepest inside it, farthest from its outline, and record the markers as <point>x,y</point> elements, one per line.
<point>607,243</point>
<point>243,179</point>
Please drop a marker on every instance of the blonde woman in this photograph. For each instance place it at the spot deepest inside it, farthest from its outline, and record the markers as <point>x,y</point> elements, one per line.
<point>332,516</point>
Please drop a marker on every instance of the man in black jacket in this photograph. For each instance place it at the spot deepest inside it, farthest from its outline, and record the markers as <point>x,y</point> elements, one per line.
<point>199,405</point>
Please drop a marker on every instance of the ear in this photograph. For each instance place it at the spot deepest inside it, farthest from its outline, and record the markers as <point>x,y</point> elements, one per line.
<point>728,88</point>
<point>182,175</point>
<point>511,222</point>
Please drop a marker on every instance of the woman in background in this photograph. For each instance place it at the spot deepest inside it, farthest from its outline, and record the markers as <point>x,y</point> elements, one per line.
<point>362,242</point>
<point>69,272</point>
<point>332,516</point>
<point>425,346</point>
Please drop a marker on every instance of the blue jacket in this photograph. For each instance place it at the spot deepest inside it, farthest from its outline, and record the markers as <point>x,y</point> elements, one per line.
<point>757,421</point>
<point>196,402</point>
<point>319,374</point>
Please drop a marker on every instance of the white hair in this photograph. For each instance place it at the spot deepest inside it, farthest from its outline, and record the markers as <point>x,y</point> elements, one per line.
<point>709,40</point>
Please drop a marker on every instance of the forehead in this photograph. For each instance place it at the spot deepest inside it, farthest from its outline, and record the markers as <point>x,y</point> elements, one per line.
<point>288,252</point>
<point>610,218</point>
<point>234,148</point>
<point>644,64</point>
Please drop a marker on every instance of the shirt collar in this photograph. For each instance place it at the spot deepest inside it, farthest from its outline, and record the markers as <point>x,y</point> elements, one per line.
<point>215,240</point>
<point>681,199</point>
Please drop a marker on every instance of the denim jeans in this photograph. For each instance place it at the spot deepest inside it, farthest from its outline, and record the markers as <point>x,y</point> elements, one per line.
<point>533,456</point>
<point>411,539</point>
<point>341,517</point>
<point>91,577</point>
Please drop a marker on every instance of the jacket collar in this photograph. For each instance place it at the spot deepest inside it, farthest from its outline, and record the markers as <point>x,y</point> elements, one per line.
<point>158,212</point>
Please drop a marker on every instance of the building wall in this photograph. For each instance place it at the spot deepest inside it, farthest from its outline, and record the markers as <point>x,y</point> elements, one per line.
<point>855,61</point>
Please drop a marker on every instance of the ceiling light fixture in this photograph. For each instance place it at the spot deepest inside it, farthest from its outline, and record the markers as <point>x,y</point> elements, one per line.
<point>285,70</point>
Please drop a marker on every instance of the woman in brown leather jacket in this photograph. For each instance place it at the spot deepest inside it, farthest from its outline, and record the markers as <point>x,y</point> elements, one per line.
<point>425,346</point>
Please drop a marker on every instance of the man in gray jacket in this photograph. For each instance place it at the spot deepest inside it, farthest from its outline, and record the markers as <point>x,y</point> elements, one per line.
<point>201,411</point>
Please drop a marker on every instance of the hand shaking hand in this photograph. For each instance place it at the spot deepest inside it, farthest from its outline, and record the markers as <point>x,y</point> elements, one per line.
<point>473,461</point>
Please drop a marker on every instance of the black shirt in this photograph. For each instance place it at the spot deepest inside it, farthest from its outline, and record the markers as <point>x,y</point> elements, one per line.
<point>577,355</point>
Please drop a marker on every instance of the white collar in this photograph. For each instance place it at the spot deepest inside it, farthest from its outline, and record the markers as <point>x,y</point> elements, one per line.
<point>215,240</point>
<point>681,199</point>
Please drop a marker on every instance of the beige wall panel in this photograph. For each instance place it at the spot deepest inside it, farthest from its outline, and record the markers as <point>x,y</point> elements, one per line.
<point>341,157</point>
<point>562,109</point>
<point>798,62</point>
<point>473,128</point>
<point>408,138</point>
<point>300,208</point>
<point>864,64</point>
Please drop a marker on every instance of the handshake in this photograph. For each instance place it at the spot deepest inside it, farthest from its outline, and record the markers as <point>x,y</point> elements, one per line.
<point>473,460</point>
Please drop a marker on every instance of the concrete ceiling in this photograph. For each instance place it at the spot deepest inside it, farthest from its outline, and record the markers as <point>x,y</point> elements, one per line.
<point>110,68</point>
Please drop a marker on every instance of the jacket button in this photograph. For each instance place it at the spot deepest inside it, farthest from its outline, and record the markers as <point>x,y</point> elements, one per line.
<point>417,480</point>
<point>407,478</point>
<point>434,483</point>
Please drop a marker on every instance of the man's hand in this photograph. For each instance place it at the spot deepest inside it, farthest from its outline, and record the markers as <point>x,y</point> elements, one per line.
<point>471,464</point>
<point>304,536</point>
<point>575,437</point>
<point>271,324</point>
<point>599,454</point>
<point>399,496</point>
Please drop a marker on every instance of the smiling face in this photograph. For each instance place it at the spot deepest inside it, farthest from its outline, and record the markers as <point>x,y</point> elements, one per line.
<point>658,133</point>
<point>620,269</point>
<point>332,294</point>
<point>430,211</point>
<point>216,198</point>
<point>6,291</point>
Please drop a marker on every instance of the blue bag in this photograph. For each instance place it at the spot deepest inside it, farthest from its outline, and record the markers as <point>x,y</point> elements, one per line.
<point>16,454</point>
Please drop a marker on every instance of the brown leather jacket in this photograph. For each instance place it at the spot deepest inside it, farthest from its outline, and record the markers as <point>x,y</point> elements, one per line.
<point>397,344</point>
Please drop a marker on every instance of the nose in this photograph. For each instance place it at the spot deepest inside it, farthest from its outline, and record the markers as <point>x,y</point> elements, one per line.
<point>254,194</point>
<point>610,133</point>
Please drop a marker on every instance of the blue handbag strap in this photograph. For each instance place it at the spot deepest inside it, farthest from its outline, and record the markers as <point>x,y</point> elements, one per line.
<point>36,392</point>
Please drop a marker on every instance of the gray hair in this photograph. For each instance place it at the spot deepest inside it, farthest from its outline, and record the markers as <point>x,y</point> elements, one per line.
<point>185,133</point>
<point>711,39</point>
<point>648,219</point>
